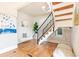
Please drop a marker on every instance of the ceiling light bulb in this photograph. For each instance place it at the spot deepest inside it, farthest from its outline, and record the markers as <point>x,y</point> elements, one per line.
<point>43,7</point>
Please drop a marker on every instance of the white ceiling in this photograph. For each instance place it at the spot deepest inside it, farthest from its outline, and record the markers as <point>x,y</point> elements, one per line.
<point>35,8</point>
<point>15,5</point>
<point>32,8</point>
<point>10,8</point>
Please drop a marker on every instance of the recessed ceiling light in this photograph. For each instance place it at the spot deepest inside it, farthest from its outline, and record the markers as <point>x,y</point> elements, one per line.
<point>43,7</point>
<point>46,8</point>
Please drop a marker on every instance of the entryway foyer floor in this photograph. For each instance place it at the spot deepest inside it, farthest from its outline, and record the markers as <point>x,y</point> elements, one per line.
<point>31,49</point>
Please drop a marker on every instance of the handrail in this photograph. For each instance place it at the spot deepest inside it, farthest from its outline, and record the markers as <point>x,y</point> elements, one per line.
<point>49,22</point>
<point>46,30</point>
<point>52,33</point>
<point>50,25</point>
<point>45,20</point>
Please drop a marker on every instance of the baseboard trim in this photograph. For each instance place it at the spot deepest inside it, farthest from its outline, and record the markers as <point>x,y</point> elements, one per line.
<point>8,49</point>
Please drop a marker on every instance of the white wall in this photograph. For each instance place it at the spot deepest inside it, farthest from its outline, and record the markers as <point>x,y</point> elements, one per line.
<point>65,38</point>
<point>40,19</point>
<point>75,32</point>
<point>28,22</point>
<point>8,41</point>
<point>28,25</point>
<point>8,10</point>
<point>75,40</point>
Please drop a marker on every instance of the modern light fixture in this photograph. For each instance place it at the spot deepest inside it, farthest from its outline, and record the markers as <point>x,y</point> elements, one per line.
<point>43,7</point>
<point>47,7</point>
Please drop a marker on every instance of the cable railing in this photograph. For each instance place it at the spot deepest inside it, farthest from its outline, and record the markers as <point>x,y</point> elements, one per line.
<point>46,25</point>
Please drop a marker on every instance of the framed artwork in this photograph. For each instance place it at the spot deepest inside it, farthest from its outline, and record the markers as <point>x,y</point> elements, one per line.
<point>59,32</point>
<point>7,24</point>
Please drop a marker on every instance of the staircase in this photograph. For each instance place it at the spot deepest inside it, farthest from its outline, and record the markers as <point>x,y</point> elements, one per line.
<point>48,33</point>
<point>46,29</point>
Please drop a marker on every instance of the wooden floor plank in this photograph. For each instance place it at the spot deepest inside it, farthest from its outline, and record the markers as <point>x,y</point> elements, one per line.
<point>31,49</point>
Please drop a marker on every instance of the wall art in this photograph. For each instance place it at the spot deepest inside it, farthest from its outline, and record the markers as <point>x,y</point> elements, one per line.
<point>7,24</point>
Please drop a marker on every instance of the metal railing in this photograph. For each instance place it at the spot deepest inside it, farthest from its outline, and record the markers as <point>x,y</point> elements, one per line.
<point>46,25</point>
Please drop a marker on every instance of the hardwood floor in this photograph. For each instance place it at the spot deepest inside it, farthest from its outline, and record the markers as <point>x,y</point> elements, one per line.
<point>31,49</point>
